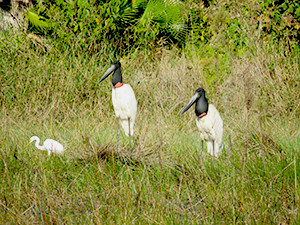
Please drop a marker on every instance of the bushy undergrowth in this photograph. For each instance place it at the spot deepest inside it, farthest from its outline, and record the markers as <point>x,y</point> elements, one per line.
<point>124,25</point>
<point>54,94</point>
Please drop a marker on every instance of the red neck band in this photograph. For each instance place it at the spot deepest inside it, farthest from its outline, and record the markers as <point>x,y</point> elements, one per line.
<point>203,114</point>
<point>118,85</point>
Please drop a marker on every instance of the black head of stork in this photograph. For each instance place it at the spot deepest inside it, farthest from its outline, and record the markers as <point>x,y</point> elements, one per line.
<point>117,76</point>
<point>201,103</point>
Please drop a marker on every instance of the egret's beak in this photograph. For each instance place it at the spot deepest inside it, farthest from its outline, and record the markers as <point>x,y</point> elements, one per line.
<point>108,72</point>
<point>191,102</point>
<point>28,143</point>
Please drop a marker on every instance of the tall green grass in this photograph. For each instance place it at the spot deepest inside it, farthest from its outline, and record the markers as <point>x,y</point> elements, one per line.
<point>165,181</point>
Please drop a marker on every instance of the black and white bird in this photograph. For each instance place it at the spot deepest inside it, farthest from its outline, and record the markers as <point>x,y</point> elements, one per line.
<point>123,99</point>
<point>209,123</point>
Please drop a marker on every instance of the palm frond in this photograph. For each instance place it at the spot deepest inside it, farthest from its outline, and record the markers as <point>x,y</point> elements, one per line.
<point>129,16</point>
<point>38,21</point>
<point>181,34</point>
<point>168,13</point>
<point>139,3</point>
<point>165,12</point>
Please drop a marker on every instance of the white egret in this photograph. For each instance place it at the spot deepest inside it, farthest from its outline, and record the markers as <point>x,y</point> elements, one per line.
<point>209,123</point>
<point>49,145</point>
<point>123,100</point>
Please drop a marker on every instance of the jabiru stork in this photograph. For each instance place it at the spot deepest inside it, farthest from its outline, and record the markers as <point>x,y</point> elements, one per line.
<point>123,100</point>
<point>209,123</point>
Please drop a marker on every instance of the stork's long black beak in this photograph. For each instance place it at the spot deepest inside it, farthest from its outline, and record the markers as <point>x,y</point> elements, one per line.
<point>191,102</point>
<point>111,69</point>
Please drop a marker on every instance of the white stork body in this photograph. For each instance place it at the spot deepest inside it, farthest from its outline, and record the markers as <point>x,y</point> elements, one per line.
<point>49,145</point>
<point>125,106</point>
<point>209,123</point>
<point>211,130</point>
<point>123,99</point>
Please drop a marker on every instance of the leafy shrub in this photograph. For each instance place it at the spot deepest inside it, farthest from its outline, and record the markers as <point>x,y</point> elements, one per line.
<point>281,19</point>
<point>121,24</point>
<point>198,23</point>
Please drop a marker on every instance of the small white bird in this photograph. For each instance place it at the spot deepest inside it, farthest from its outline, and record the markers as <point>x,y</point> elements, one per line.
<point>50,145</point>
<point>209,123</point>
<point>123,99</point>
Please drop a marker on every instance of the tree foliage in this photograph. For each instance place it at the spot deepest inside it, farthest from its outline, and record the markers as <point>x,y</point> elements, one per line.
<point>119,23</point>
<point>125,25</point>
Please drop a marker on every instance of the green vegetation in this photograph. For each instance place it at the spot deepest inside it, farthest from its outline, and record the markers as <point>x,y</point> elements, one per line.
<point>243,53</point>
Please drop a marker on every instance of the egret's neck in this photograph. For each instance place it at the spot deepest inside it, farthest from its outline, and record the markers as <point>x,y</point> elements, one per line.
<point>201,106</point>
<point>37,144</point>
<point>117,77</point>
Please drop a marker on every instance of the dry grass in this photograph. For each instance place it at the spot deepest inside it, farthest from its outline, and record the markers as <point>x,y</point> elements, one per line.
<point>164,180</point>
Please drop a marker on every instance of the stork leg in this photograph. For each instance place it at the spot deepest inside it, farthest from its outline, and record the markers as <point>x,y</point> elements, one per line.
<point>202,150</point>
<point>129,134</point>
<point>118,133</point>
<point>213,156</point>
